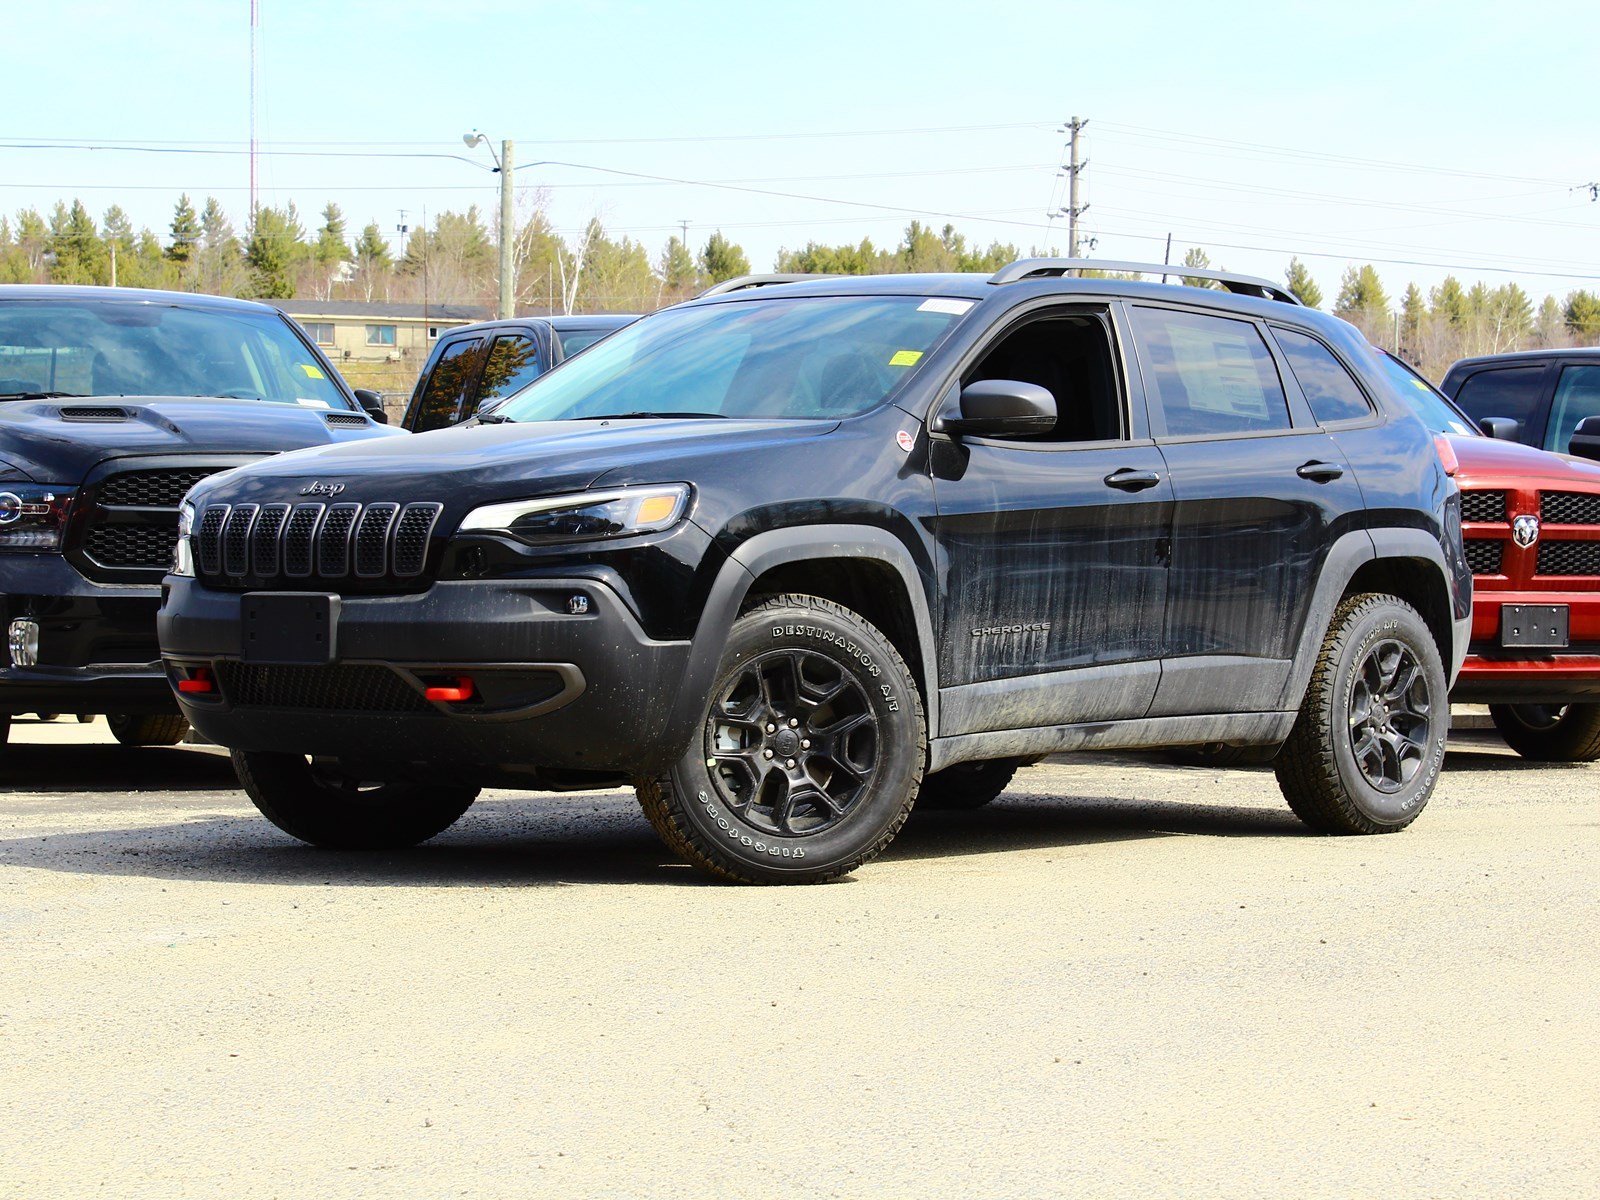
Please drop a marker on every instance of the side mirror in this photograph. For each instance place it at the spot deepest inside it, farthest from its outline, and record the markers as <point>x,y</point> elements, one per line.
<point>1504,428</point>
<point>1586,439</point>
<point>1000,408</point>
<point>372,404</point>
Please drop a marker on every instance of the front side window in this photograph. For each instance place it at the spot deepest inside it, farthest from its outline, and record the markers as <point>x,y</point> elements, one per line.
<point>137,348</point>
<point>1512,392</point>
<point>513,364</point>
<point>1577,397</point>
<point>1328,387</point>
<point>818,357</point>
<point>1209,375</point>
<point>380,335</point>
<point>447,384</point>
<point>1070,357</point>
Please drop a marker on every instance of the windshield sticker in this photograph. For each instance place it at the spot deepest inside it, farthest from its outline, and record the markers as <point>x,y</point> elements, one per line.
<point>940,305</point>
<point>312,402</point>
<point>312,372</point>
<point>905,358</point>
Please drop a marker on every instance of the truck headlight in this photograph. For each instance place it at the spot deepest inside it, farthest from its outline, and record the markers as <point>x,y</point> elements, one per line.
<point>33,515</point>
<point>182,553</point>
<point>583,516</point>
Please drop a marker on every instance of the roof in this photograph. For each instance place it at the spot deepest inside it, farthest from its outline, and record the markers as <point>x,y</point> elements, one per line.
<point>560,323</point>
<point>303,308</point>
<point>57,291</point>
<point>1516,356</point>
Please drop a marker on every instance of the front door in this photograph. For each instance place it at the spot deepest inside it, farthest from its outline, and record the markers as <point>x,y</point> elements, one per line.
<point>1053,548</point>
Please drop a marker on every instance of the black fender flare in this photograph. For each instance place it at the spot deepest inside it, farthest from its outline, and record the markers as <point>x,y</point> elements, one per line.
<point>777,548</point>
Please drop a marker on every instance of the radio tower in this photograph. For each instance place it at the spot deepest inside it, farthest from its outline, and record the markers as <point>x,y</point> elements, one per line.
<point>255,24</point>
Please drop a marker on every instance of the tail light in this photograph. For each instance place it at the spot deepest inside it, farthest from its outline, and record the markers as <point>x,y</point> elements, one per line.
<point>199,682</point>
<point>459,688</point>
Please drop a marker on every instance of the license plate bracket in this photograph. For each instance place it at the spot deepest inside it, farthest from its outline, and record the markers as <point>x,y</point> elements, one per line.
<point>1534,626</point>
<point>289,628</point>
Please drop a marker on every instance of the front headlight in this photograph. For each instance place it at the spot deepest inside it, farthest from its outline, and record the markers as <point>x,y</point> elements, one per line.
<point>33,515</point>
<point>583,516</point>
<point>182,553</point>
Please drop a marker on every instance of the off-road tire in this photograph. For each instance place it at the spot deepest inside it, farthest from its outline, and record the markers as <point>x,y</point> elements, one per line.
<point>692,811</point>
<point>1317,768</point>
<point>151,729</point>
<point>967,785</point>
<point>309,805</point>
<point>1550,733</point>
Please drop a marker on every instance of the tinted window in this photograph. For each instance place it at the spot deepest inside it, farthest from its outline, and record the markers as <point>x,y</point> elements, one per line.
<point>819,357</point>
<point>1507,392</point>
<point>137,348</point>
<point>575,340</point>
<point>1070,357</point>
<point>441,397</point>
<point>1577,397</point>
<point>1422,398</point>
<point>1328,387</point>
<point>1209,375</point>
<point>513,364</point>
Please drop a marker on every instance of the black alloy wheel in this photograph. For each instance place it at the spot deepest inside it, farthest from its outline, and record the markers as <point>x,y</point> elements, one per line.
<point>1391,717</point>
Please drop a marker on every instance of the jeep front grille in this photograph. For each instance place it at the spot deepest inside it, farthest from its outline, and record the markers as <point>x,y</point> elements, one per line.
<point>1570,508</point>
<point>252,545</point>
<point>1483,507</point>
<point>338,688</point>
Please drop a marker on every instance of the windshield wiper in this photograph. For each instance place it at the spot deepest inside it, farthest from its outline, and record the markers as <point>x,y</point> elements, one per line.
<point>41,395</point>
<point>650,416</point>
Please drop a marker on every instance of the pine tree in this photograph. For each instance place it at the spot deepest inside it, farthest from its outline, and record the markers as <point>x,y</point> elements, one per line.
<point>185,231</point>
<point>677,269</point>
<point>331,248</point>
<point>1449,301</point>
<point>275,247</point>
<point>80,255</point>
<point>372,260</point>
<point>1583,316</point>
<point>1413,311</point>
<point>1301,285</point>
<point>1196,257</point>
<point>1550,327</point>
<point>1361,295</point>
<point>722,260</point>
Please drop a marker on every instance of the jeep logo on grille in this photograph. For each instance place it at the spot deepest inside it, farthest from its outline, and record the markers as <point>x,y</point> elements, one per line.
<point>317,488</point>
<point>1525,530</point>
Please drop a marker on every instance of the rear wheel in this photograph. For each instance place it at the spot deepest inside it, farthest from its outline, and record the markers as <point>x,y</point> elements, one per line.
<point>809,756</point>
<point>325,807</point>
<point>1550,732</point>
<point>967,785</point>
<point>158,729</point>
<point>1367,747</point>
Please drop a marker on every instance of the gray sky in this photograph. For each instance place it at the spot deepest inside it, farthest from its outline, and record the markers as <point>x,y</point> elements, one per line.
<point>1423,138</point>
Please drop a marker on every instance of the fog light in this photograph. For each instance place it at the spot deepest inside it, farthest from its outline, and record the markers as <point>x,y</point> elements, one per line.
<point>577,605</point>
<point>22,636</point>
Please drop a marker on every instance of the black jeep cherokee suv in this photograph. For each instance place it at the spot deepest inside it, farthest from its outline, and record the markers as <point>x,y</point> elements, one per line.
<point>113,403</point>
<point>794,558</point>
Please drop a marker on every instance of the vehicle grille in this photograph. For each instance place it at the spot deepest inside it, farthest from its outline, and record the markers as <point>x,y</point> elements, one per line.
<point>255,544</point>
<point>151,489</point>
<point>348,420</point>
<point>1483,555</point>
<point>1570,508</point>
<point>132,545</point>
<point>94,414</point>
<point>1483,506</point>
<point>341,688</point>
<point>1558,557</point>
<point>131,523</point>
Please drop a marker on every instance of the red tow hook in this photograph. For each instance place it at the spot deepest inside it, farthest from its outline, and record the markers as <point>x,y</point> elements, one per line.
<point>461,691</point>
<point>199,682</point>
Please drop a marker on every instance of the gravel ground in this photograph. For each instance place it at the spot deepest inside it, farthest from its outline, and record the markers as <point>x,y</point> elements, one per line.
<point>1123,979</point>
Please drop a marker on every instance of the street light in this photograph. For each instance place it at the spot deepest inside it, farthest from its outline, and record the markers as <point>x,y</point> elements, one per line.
<point>502,164</point>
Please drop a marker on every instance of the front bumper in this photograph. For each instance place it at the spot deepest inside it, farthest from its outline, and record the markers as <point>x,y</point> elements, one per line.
<point>1493,674</point>
<point>97,642</point>
<point>558,692</point>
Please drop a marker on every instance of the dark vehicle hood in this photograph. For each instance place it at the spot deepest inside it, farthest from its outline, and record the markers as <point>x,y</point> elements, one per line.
<point>476,464</point>
<point>49,447</point>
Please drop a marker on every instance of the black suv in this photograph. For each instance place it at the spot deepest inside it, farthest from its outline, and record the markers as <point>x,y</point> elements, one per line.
<point>1544,398</point>
<point>793,558</point>
<point>113,403</point>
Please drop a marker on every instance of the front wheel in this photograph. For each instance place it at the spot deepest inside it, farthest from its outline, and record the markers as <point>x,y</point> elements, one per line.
<point>1550,732</point>
<point>1366,749</point>
<point>325,807</point>
<point>809,756</point>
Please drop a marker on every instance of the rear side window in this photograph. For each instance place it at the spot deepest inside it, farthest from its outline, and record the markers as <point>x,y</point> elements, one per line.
<point>441,398</point>
<point>513,364</point>
<point>1209,375</point>
<point>1505,392</point>
<point>1328,387</point>
<point>1577,397</point>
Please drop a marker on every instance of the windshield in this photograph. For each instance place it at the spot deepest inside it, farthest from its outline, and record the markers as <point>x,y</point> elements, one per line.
<point>821,357</point>
<point>1437,413</point>
<point>139,348</point>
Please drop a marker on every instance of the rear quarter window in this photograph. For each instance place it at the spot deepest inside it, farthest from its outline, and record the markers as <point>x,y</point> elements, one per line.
<point>1330,389</point>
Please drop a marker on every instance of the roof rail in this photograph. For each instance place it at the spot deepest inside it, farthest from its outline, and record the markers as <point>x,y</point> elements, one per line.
<point>740,282</point>
<point>1244,285</point>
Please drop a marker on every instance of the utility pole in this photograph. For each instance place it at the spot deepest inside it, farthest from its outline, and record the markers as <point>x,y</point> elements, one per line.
<point>113,262</point>
<point>255,24</point>
<point>1074,171</point>
<point>508,237</point>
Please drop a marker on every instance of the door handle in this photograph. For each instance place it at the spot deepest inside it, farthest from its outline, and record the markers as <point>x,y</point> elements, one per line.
<point>1129,480</point>
<point>1320,472</point>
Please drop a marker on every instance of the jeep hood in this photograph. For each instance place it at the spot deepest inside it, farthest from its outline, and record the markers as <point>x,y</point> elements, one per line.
<point>479,464</point>
<point>60,441</point>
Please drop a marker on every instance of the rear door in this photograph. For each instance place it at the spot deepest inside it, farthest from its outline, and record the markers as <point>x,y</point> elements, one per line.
<point>1260,492</point>
<point>442,391</point>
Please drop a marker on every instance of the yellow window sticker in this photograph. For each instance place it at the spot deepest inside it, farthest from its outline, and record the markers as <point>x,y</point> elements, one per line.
<point>312,372</point>
<point>905,358</point>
